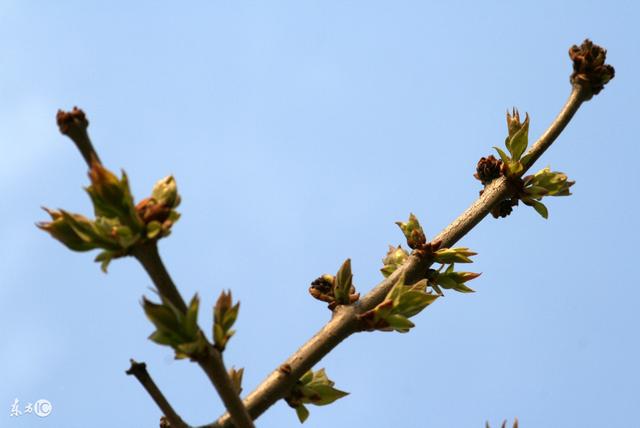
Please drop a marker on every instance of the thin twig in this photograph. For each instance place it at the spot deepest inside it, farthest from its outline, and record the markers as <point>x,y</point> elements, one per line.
<point>149,257</point>
<point>139,370</point>
<point>345,322</point>
<point>211,362</point>
<point>213,365</point>
<point>74,125</point>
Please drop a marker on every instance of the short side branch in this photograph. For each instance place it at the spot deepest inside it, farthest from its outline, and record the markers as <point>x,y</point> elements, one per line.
<point>139,370</point>
<point>211,362</point>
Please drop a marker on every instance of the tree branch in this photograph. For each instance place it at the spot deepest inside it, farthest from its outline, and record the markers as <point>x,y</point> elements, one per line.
<point>139,370</point>
<point>345,319</point>
<point>74,125</point>
<point>149,257</point>
<point>211,362</point>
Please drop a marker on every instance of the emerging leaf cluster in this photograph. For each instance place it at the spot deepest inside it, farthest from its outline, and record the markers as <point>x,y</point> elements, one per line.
<point>401,303</point>
<point>544,183</point>
<point>336,290</point>
<point>225,314</point>
<point>533,188</point>
<point>516,143</point>
<point>176,329</point>
<point>119,224</point>
<point>313,388</point>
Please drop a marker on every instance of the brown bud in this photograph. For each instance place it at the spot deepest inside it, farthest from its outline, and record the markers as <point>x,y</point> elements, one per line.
<point>149,210</point>
<point>504,208</point>
<point>74,125</point>
<point>69,121</point>
<point>488,169</point>
<point>323,284</point>
<point>589,68</point>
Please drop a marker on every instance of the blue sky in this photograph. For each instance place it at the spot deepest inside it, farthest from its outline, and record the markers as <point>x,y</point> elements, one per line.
<point>298,133</point>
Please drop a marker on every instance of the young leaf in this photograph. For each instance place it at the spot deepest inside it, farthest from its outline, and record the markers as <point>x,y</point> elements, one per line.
<point>541,209</point>
<point>302,412</point>
<point>224,316</point>
<point>520,140</point>
<point>395,257</point>
<point>413,232</point>
<point>454,255</point>
<point>343,283</point>
<point>505,159</point>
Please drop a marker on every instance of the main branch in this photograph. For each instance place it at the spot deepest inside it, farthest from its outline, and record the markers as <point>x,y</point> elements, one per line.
<point>345,319</point>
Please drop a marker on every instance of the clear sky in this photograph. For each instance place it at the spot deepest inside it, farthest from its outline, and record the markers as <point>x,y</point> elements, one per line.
<point>298,133</point>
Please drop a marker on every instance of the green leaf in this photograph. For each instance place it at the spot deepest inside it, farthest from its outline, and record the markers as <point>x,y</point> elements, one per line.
<point>61,230</point>
<point>81,226</point>
<point>162,317</point>
<point>112,197</point>
<point>413,302</point>
<point>520,141</point>
<point>219,336</point>
<point>224,316</point>
<point>230,316</point>
<point>190,349</point>
<point>413,232</point>
<point>302,412</point>
<point>536,191</point>
<point>454,255</point>
<point>525,159</point>
<point>555,183</point>
<point>191,318</point>
<point>153,229</point>
<point>462,288</point>
<point>236,379</point>
<point>165,192</point>
<point>307,377</point>
<point>164,338</point>
<point>397,289</point>
<point>326,394</point>
<point>515,167</point>
<point>399,323</point>
<point>541,209</point>
<point>105,258</point>
<point>446,281</point>
<point>505,159</point>
<point>395,257</point>
<point>343,283</point>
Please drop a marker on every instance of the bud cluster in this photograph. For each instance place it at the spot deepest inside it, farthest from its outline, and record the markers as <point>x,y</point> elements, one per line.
<point>401,303</point>
<point>504,207</point>
<point>412,230</point>
<point>516,143</point>
<point>395,257</point>
<point>450,279</point>
<point>529,190</point>
<point>488,169</point>
<point>544,183</point>
<point>119,224</point>
<point>312,388</point>
<point>336,290</point>
<point>225,314</point>
<point>177,329</point>
<point>236,379</point>
<point>589,66</point>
